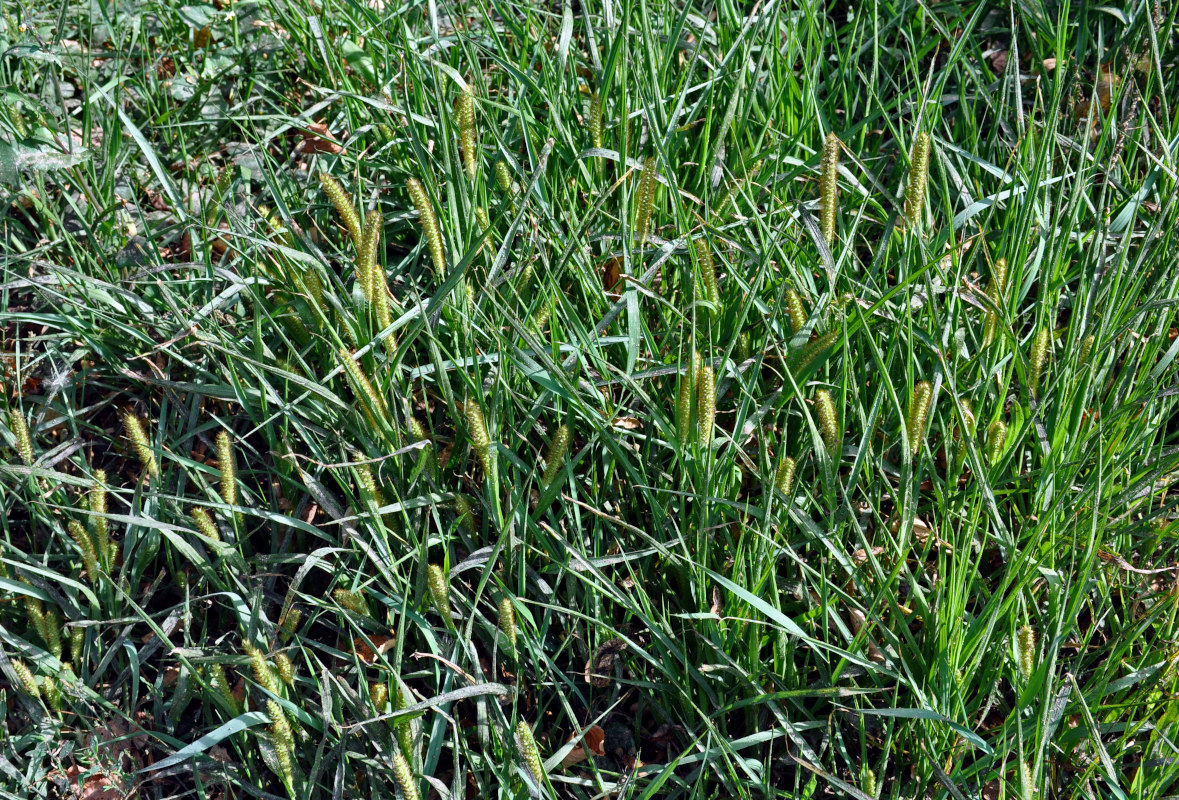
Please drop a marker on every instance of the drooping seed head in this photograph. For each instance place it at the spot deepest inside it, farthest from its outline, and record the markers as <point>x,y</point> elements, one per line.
<point>480,440</point>
<point>402,728</point>
<point>829,186</point>
<point>352,601</point>
<point>77,646</point>
<point>288,623</point>
<point>918,178</point>
<point>220,683</point>
<point>263,672</point>
<point>828,422</point>
<point>285,668</point>
<point>27,681</point>
<point>378,692</point>
<point>429,223</point>
<point>918,413</point>
<point>556,454</point>
<point>404,777</point>
<point>342,201</point>
<point>205,525</point>
<point>372,404</point>
<point>995,293</point>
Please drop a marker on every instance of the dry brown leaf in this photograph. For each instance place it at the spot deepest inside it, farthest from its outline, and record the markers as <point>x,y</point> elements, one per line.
<point>366,654</point>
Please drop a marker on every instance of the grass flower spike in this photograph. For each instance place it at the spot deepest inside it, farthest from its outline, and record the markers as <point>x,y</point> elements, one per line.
<point>133,430</point>
<point>20,431</point>
<point>829,186</point>
<point>1039,357</point>
<point>706,404</point>
<point>918,178</point>
<point>429,223</point>
<point>464,112</point>
<point>556,455</point>
<point>342,201</point>
<point>918,413</point>
<point>529,750</point>
<point>828,422</point>
<point>645,200</point>
<point>507,623</point>
<point>784,476</point>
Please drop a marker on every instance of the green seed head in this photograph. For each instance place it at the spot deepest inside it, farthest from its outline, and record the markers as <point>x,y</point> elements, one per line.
<point>507,622</point>
<point>439,590</point>
<point>707,271</point>
<point>89,554</point>
<point>1027,781</point>
<point>1025,651</point>
<point>918,178</point>
<point>133,430</point>
<point>795,310</point>
<point>220,683</point>
<point>828,422</point>
<point>996,440</point>
<point>464,111</point>
<point>829,186</point>
<point>529,750</point>
<point>595,119</point>
<point>205,525</point>
<point>706,404</point>
<point>378,692</point>
<point>342,201</point>
<point>404,776</point>
<point>429,223</point>
<point>228,468</point>
<point>27,681</point>
<point>368,271</point>
<point>1086,350</point>
<point>784,477</point>
<point>918,413</point>
<point>683,406</point>
<point>995,292</point>
<point>503,177</point>
<point>97,523</point>
<point>480,440</point>
<point>285,668</point>
<point>813,349</point>
<point>645,200</point>
<point>77,645</point>
<point>1039,356</point>
<point>263,672</point>
<point>288,623</point>
<point>372,404</point>
<point>20,431</point>
<point>466,514</point>
<point>352,601</point>
<point>402,727</point>
<point>870,783</point>
<point>556,455</point>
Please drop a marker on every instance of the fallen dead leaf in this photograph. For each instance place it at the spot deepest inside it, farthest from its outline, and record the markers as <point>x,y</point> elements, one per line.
<point>366,654</point>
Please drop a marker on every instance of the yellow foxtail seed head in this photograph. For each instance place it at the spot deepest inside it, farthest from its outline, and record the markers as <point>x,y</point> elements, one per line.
<point>285,668</point>
<point>1039,357</point>
<point>503,177</point>
<point>52,692</point>
<point>466,514</point>
<point>402,727</point>
<point>996,440</point>
<point>378,692</point>
<point>77,645</point>
<point>918,178</point>
<point>683,407</point>
<point>813,349</point>
<point>429,223</point>
<point>829,186</point>
<point>263,673</point>
<point>464,108</point>
<point>529,750</point>
<point>1086,349</point>
<point>480,441</point>
<point>595,119</point>
<point>20,430</point>
<point>89,554</point>
<point>645,200</point>
<point>368,271</point>
<point>288,623</point>
<point>556,455</point>
<point>342,201</point>
<point>372,404</point>
<point>439,589</point>
<point>220,683</point>
<point>1027,781</point>
<point>205,525</point>
<point>27,681</point>
<point>995,292</point>
<point>869,783</point>
<point>795,310</point>
<point>404,776</point>
<point>707,271</point>
<point>918,413</point>
<point>1025,651</point>
<point>133,430</point>
<point>52,633</point>
<point>100,532</point>
<point>352,601</point>
<point>280,728</point>
<point>784,477</point>
<point>228,468</point>
<point>706,404</point>
<point>968,415</point>
<point>828,422</point>
<point>507,622</point>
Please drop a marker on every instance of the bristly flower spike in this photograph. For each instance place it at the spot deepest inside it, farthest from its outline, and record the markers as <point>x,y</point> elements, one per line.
<point>829,186</point>
<point>996,440</point>
<point>918,413</point>
<point>556,455</point>
<point>707,271</point>
<point>995,292</point>
<point>784,477</point>
<point>507,623</point>
<point>1039,356</point>
<point>706,404</point>
<point>342,201</point>
<point>429,223</point>
<point>796,311</point>
<point>595,119</point>
<point>20,430</point>
<point>228,468</point>
<point>439,590</point>
<point>367,268</point>
<point>133,429</point>
<point>645,200</point>
<point>464,110</point>
<point>828,422</point>
<point>918,178</point>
